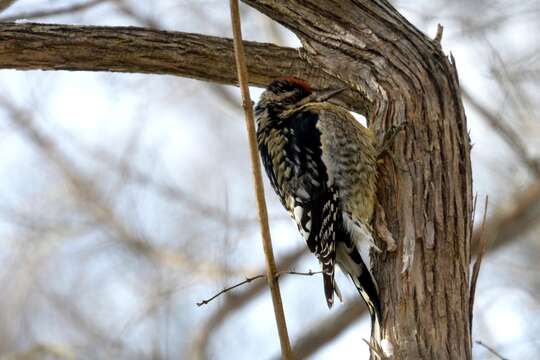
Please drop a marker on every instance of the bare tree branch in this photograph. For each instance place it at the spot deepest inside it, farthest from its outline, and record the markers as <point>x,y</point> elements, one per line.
<point>252,278</point>
<point>130,49</point>
<point>137,50</point>
<point>230,288</point>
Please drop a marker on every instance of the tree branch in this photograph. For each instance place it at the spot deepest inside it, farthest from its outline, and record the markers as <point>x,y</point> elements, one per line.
<point>31,46</point>
<point>249,279</point>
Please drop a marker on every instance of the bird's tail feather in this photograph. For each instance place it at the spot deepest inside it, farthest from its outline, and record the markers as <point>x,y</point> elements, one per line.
<point>367,288</point>
<point>349,259</point>
<point>329,286</point>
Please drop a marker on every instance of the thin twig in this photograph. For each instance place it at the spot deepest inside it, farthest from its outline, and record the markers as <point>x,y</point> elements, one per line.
<point>291,272</point>
<point>247,280</point>
<point>232,303</point>
<point>491,350</point>
<point>257,178</point>
<point>478,262</point>
<point>250,279</point>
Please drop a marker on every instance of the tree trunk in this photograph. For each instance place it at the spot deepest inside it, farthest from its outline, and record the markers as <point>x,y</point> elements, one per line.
<point>402,76</point>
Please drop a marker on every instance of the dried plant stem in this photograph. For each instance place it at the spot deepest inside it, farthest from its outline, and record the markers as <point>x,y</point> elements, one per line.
<point>257,178</point>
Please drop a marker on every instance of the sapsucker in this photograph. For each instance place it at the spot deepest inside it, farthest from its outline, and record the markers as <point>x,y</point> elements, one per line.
<point>322,164</point>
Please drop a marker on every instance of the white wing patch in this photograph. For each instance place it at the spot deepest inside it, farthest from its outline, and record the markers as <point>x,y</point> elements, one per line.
<point>346,264</point>
<point>361,235</point>
<point>298,213</point>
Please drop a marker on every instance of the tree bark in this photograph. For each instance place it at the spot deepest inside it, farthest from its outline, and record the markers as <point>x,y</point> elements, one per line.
<point>404,77</point>
<point>396,74</point>
<point>30,46</point>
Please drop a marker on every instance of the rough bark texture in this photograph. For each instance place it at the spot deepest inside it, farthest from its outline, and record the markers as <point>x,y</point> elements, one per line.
<point>397,75</point>
<point>405,77</point>
<point>30,46</point>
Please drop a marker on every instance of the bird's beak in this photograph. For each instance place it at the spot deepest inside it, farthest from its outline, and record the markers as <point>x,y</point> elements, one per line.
<point>324,95</point>
<point>320,96</point>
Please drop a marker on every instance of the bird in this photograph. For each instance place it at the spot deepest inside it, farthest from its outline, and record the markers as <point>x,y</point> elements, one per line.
<point>321,162</point>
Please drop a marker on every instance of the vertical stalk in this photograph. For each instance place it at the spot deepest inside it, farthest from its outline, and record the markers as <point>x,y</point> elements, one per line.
<point>257,179</point>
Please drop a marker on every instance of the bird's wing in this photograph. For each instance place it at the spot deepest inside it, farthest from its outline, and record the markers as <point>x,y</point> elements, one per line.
<point>349,153</point>
<point>292,155</point>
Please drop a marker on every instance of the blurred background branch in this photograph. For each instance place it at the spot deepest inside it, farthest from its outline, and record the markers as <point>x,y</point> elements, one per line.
<point>4,4</point>
<point>70,9</point>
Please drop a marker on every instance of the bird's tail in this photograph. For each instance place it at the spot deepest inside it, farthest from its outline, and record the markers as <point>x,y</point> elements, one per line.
<point>349,259</point>
<point>367,288</point>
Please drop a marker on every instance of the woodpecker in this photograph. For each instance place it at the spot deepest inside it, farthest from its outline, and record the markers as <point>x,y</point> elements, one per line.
<point>321,162</point>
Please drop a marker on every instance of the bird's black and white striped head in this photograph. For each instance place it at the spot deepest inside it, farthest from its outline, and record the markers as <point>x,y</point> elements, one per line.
<point>289,92</point>
<point>283,93</point>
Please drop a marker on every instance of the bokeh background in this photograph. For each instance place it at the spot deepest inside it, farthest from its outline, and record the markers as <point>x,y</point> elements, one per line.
<point>125,199</point>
